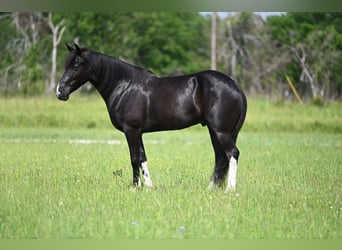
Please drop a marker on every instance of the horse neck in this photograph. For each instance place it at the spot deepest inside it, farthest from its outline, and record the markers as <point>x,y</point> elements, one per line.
<point>107,73</point>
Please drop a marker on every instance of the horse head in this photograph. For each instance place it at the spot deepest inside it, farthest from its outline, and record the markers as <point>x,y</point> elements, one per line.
<point>76,72</point>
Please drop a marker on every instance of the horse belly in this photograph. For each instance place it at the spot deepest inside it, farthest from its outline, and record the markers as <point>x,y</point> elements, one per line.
<point>172,111</point>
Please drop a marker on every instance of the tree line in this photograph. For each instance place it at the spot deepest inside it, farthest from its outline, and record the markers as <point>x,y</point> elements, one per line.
<point>258,53</point>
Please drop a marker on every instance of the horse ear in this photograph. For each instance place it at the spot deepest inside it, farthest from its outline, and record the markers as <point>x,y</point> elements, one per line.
<point>78,50</point>
<point>69,48</point>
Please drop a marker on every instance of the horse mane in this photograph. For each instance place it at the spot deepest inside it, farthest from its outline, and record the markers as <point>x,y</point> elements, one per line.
<point>114,68</point>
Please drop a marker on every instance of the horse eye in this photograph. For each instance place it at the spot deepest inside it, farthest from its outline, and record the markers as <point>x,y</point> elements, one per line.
<point>78,63</point>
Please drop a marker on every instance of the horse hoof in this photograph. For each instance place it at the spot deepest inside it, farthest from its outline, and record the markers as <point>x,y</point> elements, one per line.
<point>148,184</point>
<point>229,190</point>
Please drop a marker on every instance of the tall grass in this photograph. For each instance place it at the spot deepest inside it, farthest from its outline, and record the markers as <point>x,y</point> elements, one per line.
<point>90,112</point>
<point>53,186</point>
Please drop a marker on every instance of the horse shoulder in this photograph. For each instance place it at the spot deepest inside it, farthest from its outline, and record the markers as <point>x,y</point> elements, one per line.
<point>129,105</point>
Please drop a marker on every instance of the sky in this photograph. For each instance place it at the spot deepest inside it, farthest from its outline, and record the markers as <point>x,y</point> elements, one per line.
<point>264,15</point>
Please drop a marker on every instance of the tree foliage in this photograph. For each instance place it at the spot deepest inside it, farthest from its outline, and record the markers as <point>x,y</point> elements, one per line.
<point>315,41</point>
<point>258,53</point>
<point>166,43</point>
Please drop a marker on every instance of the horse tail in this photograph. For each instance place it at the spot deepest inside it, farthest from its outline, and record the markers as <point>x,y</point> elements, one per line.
<point>242,117</point>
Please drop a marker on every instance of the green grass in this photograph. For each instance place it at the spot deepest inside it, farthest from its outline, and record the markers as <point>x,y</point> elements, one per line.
<point>289,180</point>
<point>90,112</point>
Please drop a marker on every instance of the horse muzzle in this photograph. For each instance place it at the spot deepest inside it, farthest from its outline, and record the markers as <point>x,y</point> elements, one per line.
<point>61,93</point>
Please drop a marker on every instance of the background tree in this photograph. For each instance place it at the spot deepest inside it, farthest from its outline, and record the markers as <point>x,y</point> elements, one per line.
<point>314,40</point>
<point>258,53</point>
<point>57,33</point>
<point>213,40</point>
<point>247,52</point>
<point>21,63</point>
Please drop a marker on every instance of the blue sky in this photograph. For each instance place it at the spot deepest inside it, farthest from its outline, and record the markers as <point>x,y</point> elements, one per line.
<point>266,14</point>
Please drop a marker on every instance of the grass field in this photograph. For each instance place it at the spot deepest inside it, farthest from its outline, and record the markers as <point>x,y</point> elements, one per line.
<point>57,162</point>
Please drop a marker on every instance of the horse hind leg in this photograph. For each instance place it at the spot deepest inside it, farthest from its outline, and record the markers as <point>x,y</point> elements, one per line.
<point>226,143</point>
<point>233,165</point>
<point>221,162</point>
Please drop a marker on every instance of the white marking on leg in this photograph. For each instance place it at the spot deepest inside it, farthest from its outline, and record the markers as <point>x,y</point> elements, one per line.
<point>231,185</point>
<point>146,174</point>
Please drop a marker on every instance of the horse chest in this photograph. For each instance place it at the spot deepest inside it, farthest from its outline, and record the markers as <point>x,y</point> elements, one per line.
<point>128,109</point>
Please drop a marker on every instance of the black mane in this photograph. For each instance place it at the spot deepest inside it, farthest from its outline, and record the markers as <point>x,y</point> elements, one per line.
<point>115,69</point>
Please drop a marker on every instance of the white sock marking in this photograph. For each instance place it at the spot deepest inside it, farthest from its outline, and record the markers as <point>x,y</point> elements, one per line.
<point>146,174</point>
<point>231,185</point>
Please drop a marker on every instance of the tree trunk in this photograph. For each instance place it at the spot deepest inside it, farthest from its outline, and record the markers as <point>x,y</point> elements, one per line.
<point>234,50</point>
<point>213,40</point>
<point>56,39</point>
<point>306,75</point>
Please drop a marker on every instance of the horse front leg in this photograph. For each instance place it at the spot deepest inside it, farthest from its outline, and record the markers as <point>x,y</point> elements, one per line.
<point>144,168</point>
<point>133,137</point>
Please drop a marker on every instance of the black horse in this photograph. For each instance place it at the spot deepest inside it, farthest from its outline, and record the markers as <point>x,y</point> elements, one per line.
<point>138,101</point>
